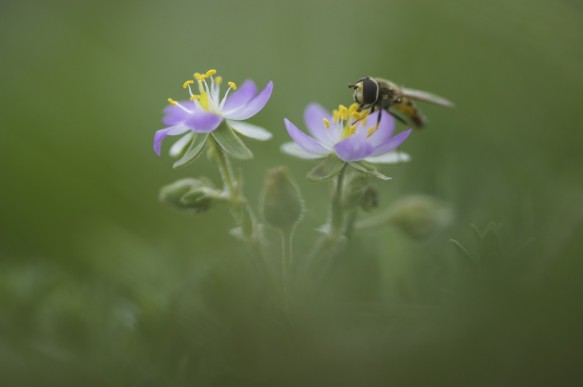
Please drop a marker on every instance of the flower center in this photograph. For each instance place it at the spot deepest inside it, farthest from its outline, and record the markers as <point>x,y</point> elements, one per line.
<point>347,119</point>
<point>208,96</point>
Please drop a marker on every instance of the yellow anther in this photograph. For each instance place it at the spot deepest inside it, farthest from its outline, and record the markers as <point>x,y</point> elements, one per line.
<point>187,83</point>
<point>352,108</point>
<point>195,97</point>
<point>199,76</point>
<point>335,115</point>
<point>218,80</point>
<point>172,102</point>
<point>210,73</point>
<point>343,112</point>
<point>232,85</point>
<point>326,123</point>
<point>352,129</point>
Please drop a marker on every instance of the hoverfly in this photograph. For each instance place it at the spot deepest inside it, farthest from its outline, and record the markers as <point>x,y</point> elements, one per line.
<point>378,94</point>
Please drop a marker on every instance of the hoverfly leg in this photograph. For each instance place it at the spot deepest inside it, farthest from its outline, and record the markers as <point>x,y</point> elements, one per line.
<point>400,119</point>
<point>379,116</point>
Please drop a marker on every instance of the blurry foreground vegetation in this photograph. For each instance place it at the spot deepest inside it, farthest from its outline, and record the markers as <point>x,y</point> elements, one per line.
<point>102,285</point>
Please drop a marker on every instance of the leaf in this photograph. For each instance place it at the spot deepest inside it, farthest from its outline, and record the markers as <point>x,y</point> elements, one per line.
<point>231,143</point>
<point>329,167</point>
<point>194,150</point>
<point>364,167</point>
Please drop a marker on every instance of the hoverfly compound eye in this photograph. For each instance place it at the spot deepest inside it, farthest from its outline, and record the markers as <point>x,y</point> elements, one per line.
<point>370,91</point>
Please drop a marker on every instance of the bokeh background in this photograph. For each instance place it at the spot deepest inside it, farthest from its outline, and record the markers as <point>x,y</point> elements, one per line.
<point>100,284</point>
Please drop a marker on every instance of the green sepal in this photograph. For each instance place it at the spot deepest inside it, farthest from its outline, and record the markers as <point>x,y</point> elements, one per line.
<point>329,167</point>
<point>369,169</point>
<point>231,143</point>
<point>193,151</point>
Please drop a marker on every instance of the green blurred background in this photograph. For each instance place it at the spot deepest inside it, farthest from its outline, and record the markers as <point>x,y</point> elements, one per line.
<point>100,284</point>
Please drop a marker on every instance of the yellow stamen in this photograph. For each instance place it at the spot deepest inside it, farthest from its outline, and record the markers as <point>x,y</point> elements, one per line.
<point>349,131</point>
<point>204,101</point>
<point>352,108</point>
<point>218,80</point>
<point>172,102</point>
<point>232,85</point>
<point>199,76</point>
<point>343,112</point>
<point>187,83</point>
<point>326,123</point>
<point>195,97</point>
<point>210,73</point>
<point>335,115</point>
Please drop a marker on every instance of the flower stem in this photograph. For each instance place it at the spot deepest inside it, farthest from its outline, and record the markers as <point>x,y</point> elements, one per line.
<point>336,225</point>
<point>336,211</point>
<point>286,264</point>
<point>242,212</point>
<point>225,169</point>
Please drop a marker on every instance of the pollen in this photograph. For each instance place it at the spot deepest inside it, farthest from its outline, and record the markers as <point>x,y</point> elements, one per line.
<point>199,76</point>
<point>218,80</point>
<point>232,85</point>
<point>187,83</point>
<point>172,102</point>
<point>210,73</point>
<point>326,123</point>
<point>352,109</point>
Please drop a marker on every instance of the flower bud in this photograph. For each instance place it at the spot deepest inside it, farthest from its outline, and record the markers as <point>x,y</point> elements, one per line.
<point>420,215</point>
<point>191,195</point>
<point>359,192</point>
<point>282,202</point>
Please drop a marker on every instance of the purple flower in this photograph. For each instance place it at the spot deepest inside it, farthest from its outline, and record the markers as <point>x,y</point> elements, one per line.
<point>351,141</point>
<point>204,112</point>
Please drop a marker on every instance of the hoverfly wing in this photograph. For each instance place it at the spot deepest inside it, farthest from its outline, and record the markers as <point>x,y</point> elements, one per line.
<point>424,96</point>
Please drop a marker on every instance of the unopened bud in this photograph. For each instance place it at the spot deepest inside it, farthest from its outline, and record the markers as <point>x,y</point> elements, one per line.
<point>360,192</point>
<point>282,202</point>
<point>420,215</point>
<point>191,195</point>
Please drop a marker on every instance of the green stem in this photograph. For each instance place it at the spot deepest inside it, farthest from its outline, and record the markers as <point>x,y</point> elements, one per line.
<point>241,211</point>
<point>286,264</point>
<point>336,211</point>
<point>226,171</point>
<point>336,220</point>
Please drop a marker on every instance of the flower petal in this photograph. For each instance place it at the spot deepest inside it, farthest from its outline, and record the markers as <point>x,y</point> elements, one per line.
<point>384,131</point>
<point>293,149</point>
<point>162,133</point>
<point>390,158</point>
<point>174,115</point>
<point>201,121</point>
<point>306,142</point>
<point>254,106</point>
<point>239,98</point>
<point>354,148</point>
<point>314,117</point>
<point>392,144</point>
<point>249,130</point>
